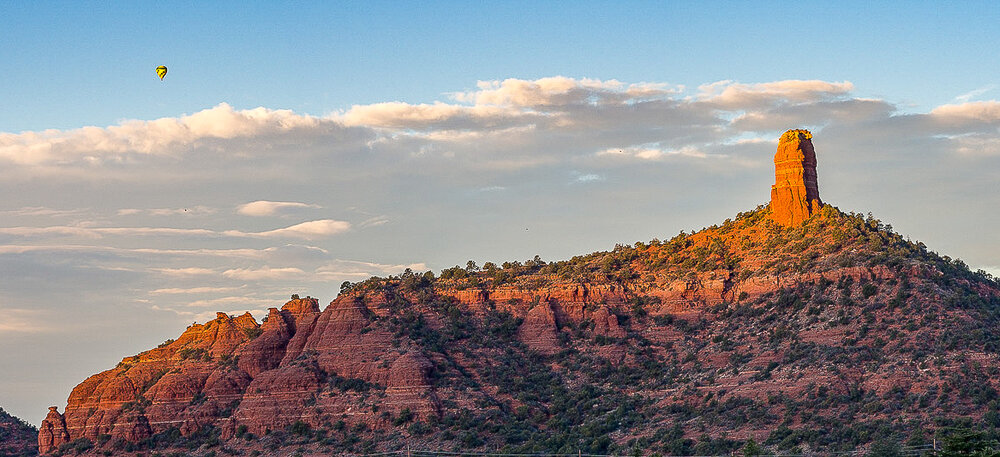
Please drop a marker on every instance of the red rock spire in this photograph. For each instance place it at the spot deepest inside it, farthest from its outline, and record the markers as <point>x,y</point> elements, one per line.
<point>52,431</point>
<point>795,193</point>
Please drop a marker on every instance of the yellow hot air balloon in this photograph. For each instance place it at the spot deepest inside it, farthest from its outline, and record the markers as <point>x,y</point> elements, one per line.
<point>161,71</point>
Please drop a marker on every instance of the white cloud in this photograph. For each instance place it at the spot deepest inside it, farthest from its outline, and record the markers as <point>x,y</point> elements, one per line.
<point>988,111</point>
<point>502,125</point>
<point>589,177</point>
<point>734,95</point>
<point>269,208</point>
<point>309,230</point>
<point>116,144</point>
<point>560,90</point>
<point>401,115</point>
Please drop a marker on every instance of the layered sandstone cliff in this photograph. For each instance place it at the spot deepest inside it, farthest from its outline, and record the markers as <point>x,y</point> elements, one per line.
<point>795,193</point>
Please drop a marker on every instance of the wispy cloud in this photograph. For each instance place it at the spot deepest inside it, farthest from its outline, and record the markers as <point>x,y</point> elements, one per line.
<point>968,96</point>
<point>588,177</point>
<point>374,221</point>
<point>192,290</point>
<point>265,272</point>
<point>653,152</point>
<point>187,271</point>
<point>305,230</point>
<point>17,320</point>
<point>189,211</point>
<point>44,211</point>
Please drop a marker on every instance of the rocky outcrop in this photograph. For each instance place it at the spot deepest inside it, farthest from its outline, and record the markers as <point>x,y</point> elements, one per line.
<point>606,324</point>
<point>266,351</point>
<point>539,330</point>
<point>795,193</point>
<point>233,372</point>
<point>52,431</point>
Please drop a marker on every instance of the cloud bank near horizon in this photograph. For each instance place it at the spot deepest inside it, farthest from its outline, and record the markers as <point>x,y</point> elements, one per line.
<point>506,153</point>
<point>512,124</point>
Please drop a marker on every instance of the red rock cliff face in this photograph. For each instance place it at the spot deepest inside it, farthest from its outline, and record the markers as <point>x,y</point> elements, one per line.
<point>234,372</point>
<point>795,193</point>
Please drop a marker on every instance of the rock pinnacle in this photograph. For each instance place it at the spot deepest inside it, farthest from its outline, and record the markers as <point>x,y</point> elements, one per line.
<point>795,193</point>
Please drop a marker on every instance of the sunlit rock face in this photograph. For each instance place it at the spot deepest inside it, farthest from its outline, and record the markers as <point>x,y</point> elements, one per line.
<point>52,432</point>
<point>795,193</point>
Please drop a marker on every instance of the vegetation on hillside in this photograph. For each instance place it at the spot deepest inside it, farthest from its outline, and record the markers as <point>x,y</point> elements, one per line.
<point>17,437</point>
<point>850,337</point>
<point>826,364</point>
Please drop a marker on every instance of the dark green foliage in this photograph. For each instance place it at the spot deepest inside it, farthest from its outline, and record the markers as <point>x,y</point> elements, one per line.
<point>198,399</point>
<point>194,354</point>
<point>253,332</point>
<point>885,448</point>
<point>77,446</point>
<point>17,437</point>
<point>228,361</point>
<point>751,448</point>
<point>343,384</point>
<point>300,428</point>
<point>961,442</point>
<point>404,417</point>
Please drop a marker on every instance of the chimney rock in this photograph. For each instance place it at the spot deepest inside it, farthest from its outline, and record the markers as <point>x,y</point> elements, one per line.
<point>795,193</point>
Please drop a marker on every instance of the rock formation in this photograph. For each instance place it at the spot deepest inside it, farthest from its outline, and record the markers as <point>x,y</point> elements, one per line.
<point>52,432</point>
<point>819,338</point>
<point>795,193</point>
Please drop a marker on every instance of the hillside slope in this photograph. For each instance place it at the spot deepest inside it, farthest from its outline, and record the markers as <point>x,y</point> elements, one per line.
<point>829,335</point>
<point>17,437</point>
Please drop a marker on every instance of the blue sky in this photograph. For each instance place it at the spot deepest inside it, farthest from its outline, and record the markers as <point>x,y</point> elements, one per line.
<point>295,146</point>
<point>70,64</point>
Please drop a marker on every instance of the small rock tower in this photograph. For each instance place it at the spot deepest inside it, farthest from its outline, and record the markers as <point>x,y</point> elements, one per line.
<point>795,193</point>
<point>52,431</point>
